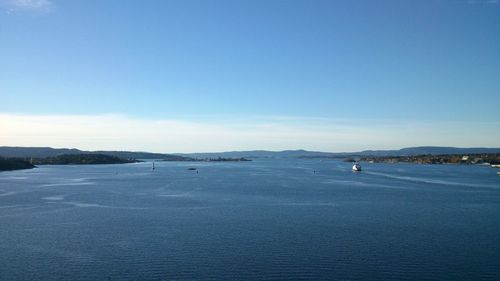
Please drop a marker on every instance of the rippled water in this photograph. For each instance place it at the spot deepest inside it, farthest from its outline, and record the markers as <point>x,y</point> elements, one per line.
<point>260,220</point>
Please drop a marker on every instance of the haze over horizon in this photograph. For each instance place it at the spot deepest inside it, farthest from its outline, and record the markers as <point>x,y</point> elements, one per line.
<point>207,76</point>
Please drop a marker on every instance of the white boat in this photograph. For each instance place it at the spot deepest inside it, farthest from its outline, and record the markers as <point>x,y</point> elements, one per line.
<point>356,167</point>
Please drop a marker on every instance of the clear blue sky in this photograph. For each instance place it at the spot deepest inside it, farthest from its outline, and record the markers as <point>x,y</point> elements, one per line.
<point>412,61</point>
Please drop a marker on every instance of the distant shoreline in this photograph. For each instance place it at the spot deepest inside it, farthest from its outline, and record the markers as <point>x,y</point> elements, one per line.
<point>12,164</point>
<point>223,159</point>
<point>28,157</point>
<point>471,159</point>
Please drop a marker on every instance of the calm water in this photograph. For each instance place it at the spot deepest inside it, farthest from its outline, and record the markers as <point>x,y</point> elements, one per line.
<point>261,220</point>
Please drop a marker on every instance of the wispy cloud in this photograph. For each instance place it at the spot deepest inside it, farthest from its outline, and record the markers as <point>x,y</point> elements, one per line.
<point>12,6</point>
<point>117,132</point>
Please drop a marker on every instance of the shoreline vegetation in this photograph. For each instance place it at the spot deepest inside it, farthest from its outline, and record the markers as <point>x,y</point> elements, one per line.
<point>81,159</point>
<point>471,159</point>
<point>11,164</point>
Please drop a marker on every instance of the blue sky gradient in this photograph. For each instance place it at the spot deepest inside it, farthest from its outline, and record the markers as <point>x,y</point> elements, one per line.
<point>372,62</point>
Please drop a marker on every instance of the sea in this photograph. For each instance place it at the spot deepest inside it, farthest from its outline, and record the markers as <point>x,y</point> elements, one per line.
<point>268,219</point>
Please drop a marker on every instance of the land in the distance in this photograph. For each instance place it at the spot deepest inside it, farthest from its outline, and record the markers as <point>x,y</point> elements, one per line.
<point>492,158</point>
<point>10,164</point>
<point>81,159</point>
<point>26,157</point>
<point>224,159</point>
<point>409,151</point>
<point>43,152</point>
<point>40,152</point>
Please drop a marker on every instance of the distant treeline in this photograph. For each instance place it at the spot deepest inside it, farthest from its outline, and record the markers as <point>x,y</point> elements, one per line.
<point>10,164</point>
<point>43,152</point>
<point>491,158</point>
<point>226,159</point>
<point>215,159</point>
<point>78,159</point>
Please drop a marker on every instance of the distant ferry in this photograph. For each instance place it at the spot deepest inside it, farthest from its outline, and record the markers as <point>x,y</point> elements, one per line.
<point>356,167</point>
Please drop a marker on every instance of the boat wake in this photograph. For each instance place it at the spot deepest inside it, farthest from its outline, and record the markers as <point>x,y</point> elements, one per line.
<point>426,180</point>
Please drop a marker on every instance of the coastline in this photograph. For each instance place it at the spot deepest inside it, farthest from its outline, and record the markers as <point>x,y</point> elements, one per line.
<point>13,164</point>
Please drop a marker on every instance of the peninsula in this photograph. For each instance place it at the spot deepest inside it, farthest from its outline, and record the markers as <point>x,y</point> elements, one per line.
<point>11,164</point>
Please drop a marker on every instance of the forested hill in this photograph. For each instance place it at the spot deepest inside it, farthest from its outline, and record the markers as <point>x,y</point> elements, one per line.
<point>28,152</point>
<point>78,159</point>
<point>410,151</point>
<point>42,152</point>
<point>144,155</point>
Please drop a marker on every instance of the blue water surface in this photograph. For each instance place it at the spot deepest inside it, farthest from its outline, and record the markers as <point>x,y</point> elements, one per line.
<point>269,219</point>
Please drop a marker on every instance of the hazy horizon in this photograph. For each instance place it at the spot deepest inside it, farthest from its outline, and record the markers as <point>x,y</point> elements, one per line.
<point>243,150</point>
